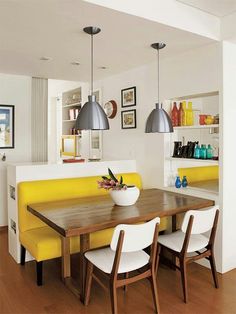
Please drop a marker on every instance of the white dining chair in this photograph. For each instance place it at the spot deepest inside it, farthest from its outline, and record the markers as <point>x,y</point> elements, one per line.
<point>124,255</point>
<point>190,239</point>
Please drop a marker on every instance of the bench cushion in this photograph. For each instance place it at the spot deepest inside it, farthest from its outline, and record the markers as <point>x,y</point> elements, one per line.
<point>60,189</point>
<point>44,243</point>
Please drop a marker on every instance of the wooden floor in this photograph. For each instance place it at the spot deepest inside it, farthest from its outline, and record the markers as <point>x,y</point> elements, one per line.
<point>20,295</point>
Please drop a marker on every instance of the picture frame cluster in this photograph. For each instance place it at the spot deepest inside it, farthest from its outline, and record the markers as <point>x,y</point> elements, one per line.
<point>128,99</point>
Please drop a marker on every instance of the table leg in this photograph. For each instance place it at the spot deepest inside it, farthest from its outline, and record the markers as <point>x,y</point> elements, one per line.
<point>65,252</point>
<point>84,246</point>
<point>174,228</point>
<point>174,223</point>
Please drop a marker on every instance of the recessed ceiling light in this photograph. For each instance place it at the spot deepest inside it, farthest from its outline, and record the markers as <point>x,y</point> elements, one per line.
<point>75,63</point>
<point>44,58</point>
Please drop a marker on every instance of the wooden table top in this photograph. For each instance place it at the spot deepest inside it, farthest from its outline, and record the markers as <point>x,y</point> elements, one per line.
<point>84,215</point>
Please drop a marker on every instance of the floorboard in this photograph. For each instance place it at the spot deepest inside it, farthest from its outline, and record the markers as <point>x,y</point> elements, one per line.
<point>20,295</point>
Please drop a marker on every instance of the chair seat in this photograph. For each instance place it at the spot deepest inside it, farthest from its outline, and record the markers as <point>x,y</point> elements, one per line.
<point>103,259</point>
<point>174,241</point>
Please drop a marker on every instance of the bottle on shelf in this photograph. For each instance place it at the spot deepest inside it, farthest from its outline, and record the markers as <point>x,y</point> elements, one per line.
<point>184,182</point>
<point>189,114</point>
<point>209,152</point>
<point>178,182</point>
<point>184,114</point>
<point>181,114</point>
<point>197,152</point>
<point>175,115</point>
<point>203,152</point>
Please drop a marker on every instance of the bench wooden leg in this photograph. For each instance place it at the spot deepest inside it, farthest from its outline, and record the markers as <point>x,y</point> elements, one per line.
<point>22,255</point>
<point>39,271</point>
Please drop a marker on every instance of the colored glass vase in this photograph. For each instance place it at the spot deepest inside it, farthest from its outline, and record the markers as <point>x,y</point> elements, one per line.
<point>184,182</point>
<point>178,182</point>
<point>175,115</point>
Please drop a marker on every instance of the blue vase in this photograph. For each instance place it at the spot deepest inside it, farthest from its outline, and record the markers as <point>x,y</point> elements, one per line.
<point>178,182</point>
<point>184,182</point>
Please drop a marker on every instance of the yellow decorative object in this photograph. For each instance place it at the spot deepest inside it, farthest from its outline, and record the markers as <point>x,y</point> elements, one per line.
<point>41,241</point>
<point>209,120</point>
<point>189,113</point>
<point>184,115</point>
<point>195,174</point>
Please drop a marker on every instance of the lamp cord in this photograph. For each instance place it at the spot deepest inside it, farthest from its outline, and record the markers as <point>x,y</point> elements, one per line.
<point>91,64</point>
<point>158,76</point>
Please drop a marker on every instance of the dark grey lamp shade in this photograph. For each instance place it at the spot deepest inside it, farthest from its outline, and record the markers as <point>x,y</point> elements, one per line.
<point>92,116</point>
<point>158,121</point>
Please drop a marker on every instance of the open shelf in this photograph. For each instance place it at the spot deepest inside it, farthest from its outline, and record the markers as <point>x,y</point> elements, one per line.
<point>69,120</point>
<point>205,126</point>
<point>72,105</point>
<point>200,95</point>
<point>214,162</point>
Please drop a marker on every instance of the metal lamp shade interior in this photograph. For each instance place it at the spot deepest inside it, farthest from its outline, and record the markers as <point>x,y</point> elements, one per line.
<point>159,121</point>
<point>92,116</point>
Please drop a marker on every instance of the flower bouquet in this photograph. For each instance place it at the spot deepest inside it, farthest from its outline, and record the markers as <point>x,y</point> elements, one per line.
<point>121,193</point>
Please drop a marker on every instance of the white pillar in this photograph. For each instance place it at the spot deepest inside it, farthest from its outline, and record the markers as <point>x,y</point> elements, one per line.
<point>228,156</point>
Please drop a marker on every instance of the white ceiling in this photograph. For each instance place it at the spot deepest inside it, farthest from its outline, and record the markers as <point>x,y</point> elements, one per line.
<point>53,28</point>
<point>218,8</point>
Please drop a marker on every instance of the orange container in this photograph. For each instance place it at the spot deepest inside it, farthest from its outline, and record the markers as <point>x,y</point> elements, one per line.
<point>202,118</point>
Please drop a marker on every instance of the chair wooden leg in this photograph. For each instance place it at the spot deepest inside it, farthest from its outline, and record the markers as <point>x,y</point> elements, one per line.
<point>39,270</point>
<point>22,255</point>
<point>88,283</point>
<point>154,292</point>
<point>184,279</point>
<point>126,276</point>
<point>113,295</point>
<point>158,257</point>
<point>213,270</point>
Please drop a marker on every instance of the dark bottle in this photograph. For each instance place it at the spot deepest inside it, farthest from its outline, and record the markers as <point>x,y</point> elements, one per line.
<point>178,182</point>
<point>184,182</point>
<point>175,115</point>
<point>177,149</point>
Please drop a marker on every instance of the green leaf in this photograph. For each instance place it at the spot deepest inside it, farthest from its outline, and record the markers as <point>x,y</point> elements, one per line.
<point>105,178</point>
<point>121,180</point>
<point>112,175</point>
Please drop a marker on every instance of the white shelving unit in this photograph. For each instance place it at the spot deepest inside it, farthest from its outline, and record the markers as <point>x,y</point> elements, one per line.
<point>201,161</point>
<point>207,126</point>
<point>206,103</point>
<point>71,105</point>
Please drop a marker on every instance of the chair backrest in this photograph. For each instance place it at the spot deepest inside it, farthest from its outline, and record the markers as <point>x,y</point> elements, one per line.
<point>202,222</point>
<point>137,237</point>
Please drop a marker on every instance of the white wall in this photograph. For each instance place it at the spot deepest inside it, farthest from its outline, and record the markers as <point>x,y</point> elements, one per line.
<point>190,73</point>
<point>15,90</point>
<point>228,169</point>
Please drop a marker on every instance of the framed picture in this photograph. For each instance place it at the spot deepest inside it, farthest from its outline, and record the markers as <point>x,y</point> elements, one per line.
<point>6,126</point>
<point>128,97</point>
<point>128,119</point>
<point>98,94</point>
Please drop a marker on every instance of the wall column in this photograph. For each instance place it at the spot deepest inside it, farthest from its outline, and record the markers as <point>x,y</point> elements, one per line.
<point>39,119</point>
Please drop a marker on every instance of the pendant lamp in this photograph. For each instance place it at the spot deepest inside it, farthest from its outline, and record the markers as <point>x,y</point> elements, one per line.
<point>158,120</point>
<point>92,116</point>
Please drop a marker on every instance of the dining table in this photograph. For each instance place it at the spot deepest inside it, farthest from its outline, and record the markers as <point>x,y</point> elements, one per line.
<point>82,216</point>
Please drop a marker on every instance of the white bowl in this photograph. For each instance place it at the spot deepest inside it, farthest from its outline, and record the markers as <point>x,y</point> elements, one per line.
<point>125,197</point>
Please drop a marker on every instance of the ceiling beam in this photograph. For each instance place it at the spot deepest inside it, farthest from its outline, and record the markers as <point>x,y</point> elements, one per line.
<point>168,12</point>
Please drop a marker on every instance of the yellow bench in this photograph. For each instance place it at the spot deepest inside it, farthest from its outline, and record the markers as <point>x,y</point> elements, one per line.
<point>41,241</point>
